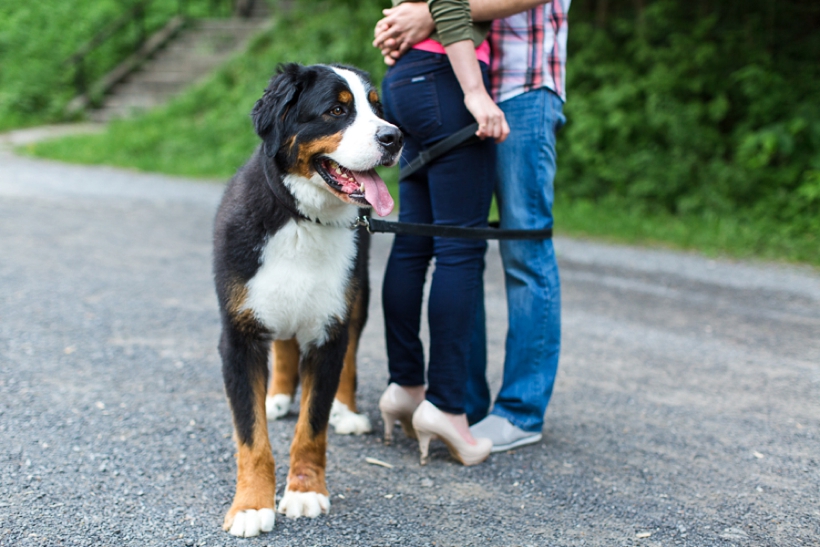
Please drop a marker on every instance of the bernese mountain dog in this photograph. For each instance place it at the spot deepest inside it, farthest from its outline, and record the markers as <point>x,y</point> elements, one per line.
<point>290,268</point>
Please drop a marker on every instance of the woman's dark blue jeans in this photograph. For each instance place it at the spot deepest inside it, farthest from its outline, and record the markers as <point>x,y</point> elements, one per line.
<point>422,96</point>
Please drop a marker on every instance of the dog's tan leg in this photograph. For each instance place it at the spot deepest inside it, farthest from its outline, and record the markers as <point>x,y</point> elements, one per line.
<point>343,416</point>
<point>346,394</point>
<point>252,510</point>
<point>306,494</point>
<point>285,377</point>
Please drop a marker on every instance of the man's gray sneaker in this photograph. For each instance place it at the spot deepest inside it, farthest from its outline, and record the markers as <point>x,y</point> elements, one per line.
<point>503,433</point>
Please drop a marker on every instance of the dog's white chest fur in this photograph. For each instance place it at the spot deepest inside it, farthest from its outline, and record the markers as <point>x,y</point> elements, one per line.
<point>300,286</point>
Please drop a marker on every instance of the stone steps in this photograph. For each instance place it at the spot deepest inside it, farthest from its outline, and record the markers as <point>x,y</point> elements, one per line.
<point>195,52</point>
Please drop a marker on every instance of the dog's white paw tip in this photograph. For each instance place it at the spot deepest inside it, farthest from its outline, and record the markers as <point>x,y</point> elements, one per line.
<point>353,424</point>
<point>277,406</point>
<point>249,523</point>
<point>346,422</point>
<point>303,504</point>
<point>267,518</point>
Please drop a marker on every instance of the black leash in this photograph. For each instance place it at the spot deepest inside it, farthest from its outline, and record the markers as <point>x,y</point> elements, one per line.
<point>375,226</point>
<point>462,137</point>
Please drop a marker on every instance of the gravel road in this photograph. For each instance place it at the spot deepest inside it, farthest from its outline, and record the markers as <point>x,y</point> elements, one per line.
<point>686,411</point>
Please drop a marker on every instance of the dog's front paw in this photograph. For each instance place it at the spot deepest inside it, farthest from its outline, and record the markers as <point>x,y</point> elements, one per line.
<point>277,406</point>
<point>303,504</point>
<point>250,523</point>
<point>347,422</point>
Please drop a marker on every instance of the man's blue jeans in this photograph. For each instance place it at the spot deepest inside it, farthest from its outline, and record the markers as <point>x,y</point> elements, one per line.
<point>526,169</point>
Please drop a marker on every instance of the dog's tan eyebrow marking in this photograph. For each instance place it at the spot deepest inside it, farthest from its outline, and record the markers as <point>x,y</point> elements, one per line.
<point>345,97</point>
<point>373,96</point>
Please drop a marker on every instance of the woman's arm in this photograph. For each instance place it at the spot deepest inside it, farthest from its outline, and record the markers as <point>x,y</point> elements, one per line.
<point>490,118</point>
<point>455,31</point>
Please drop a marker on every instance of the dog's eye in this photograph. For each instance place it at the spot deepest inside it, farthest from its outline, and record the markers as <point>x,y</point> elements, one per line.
<point>336,111</point>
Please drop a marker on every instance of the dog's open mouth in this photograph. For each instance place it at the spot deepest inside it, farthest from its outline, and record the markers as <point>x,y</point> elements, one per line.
<point>358,187</point>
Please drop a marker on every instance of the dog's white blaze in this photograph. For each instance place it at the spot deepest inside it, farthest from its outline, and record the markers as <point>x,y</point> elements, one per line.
<point>359,149</point>
<point>300,286</point>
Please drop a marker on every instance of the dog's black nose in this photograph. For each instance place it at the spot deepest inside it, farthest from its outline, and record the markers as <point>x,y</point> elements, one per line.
<point>390,138</point>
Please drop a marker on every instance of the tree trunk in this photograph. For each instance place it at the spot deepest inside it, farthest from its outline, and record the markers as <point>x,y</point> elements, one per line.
<point>639,15</point>
<point>601,8</point>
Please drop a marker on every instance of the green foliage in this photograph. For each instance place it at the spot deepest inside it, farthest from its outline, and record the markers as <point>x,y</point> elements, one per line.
<point>618,219</point>
<point>692,123</point>
<point>206,131</point>
<point>36,38</point>
<point>688,115</point>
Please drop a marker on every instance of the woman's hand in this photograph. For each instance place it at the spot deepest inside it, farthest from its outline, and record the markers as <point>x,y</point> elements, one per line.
<point>490,118</point>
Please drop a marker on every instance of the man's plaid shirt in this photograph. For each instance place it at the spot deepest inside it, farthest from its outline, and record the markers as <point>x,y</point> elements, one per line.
<point>529,51</point>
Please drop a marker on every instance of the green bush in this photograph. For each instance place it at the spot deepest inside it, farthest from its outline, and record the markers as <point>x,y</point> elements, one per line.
<point>691,123</point>
<point>688,114</point>
<point>36,38</point>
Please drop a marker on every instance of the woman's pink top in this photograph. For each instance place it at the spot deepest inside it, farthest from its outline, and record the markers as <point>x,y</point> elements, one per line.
<point>482,51</point>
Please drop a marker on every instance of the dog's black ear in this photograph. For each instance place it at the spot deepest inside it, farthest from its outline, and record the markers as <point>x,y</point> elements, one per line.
<point>270,111</point>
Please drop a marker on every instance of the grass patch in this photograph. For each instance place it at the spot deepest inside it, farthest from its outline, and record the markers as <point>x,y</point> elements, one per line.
<point>619,221</point>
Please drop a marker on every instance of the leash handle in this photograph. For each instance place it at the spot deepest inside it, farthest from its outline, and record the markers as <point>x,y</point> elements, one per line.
<point>465,135</point>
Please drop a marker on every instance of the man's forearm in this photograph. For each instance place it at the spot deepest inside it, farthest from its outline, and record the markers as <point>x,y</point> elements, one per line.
<point>408,23</point>
<point>487,10</point>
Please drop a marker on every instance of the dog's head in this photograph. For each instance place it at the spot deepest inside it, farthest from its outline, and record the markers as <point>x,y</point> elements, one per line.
<point>323,126</point>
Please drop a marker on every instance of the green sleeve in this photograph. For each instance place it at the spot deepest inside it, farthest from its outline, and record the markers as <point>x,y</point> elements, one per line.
<point>453,20</point>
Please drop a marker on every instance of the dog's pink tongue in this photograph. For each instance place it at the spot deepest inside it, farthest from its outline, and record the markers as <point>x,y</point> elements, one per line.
<point>375,191</point>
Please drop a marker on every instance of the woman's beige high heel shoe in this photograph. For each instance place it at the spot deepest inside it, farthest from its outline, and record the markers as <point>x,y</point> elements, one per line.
<point>397,404</point>
<point>431,422</point>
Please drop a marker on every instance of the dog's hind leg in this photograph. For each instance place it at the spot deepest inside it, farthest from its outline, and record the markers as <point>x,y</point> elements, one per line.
<point>306,492</point>
<point>344,416</point>
<point>285,377</point>
<point>244,369</point>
